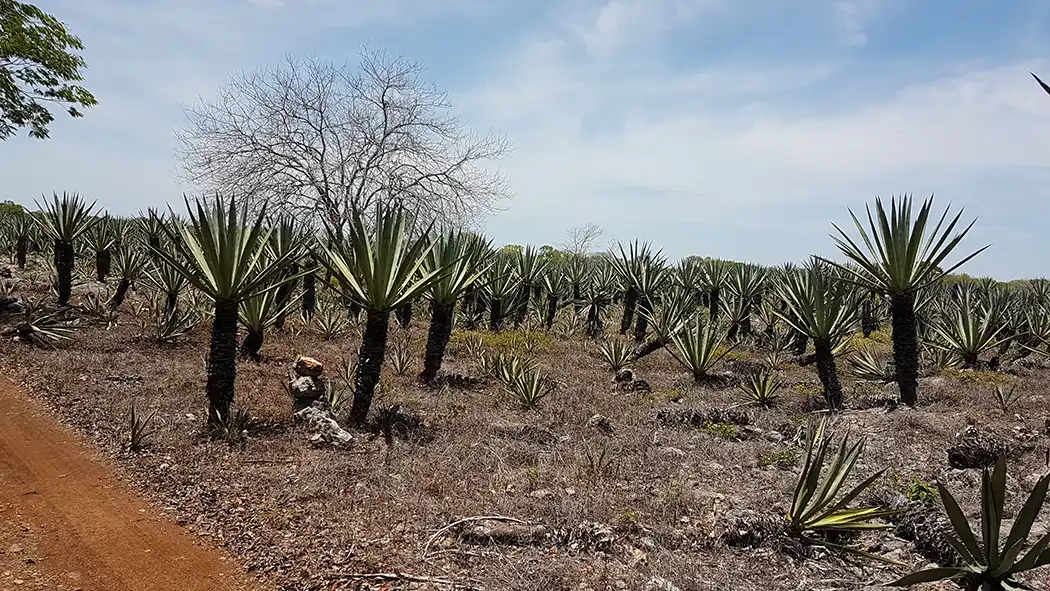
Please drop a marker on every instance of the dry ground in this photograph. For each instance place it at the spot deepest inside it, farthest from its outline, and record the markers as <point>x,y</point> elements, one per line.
<point>643,502</point>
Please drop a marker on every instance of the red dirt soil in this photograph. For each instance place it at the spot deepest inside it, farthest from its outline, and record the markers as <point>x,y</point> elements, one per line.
<point>67,522</point>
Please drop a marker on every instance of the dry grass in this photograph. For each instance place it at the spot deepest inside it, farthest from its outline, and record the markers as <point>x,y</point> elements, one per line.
<point>307,517</point>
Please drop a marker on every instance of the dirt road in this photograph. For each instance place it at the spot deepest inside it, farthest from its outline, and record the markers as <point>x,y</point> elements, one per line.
<point>67,522</point>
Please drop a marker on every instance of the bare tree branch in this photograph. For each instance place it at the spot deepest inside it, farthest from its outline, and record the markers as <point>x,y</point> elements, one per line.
<point>311,137</point>
<point>580,240</point>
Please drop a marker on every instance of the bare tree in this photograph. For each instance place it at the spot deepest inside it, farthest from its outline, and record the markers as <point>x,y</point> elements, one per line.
<point>580,240</point>
<point>312,137</point>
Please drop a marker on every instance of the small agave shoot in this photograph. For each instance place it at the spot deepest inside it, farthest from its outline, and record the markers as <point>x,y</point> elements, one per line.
<point>138,429</point>
<point>971,328</point>
<point>762,388</point>
<point>382,268</point>
<point>463,261</point>
<point>699,347</point>
<point>65,221</point>
<point>615,352</point>
<point>899,258</point>
<point>818,506</point>
<point>222,253</point>
<point>991,564</point>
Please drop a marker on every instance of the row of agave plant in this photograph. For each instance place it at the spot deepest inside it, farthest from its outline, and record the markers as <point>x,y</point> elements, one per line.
<point>251,270</point>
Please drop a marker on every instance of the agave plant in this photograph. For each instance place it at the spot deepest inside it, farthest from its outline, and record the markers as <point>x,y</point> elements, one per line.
<point>699,347</point>
<point>864,365</point>
<point>102,241</point>
<point>22,231</point>
<point>762,387</point>
<point>673,314</point>
<point>615,352</point>
<point>130,263</point>
<point>461,260</point>
<point>825,309</point>
<point>65,221</point>
<point>990,564</point>
<point>628,267</point>
<point>381,268</point>
<point>222,253</point>
<point>971,328</point>
<point>818,505</point>
<point>256,314</point>
<point>899,259</point>
<point>286,241</point>
<point>529,388</point>
<point>42,327</point>
<point>167,281</point>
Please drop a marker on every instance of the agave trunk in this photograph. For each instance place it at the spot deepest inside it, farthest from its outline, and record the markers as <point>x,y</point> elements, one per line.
<point>828,373</point>
<point>552,310</point>
<point>650,346</point>
<point>371,354</point>
<point>905,346</point>
<point>64,266</point>
<point>524,293</point>
<point>252,343</point>
<point>154,243</point>
<point>403,313</point>
<point>120,293</point>
<point>284,295</point>
<point>309,295</point>
<point>577,298</point>
<point>222,361</point>
<point>630,300</point>
<point>800,343</point>
<point>103,263</point>
<point>714,302</point>
<point>496,315</point>
<point>641,325</point>
<point>594,323</point>
<point>437,340</point>
<point>868,323</point>
<point>21,249</point>
<point>353,308</point>
<point>171,303</point>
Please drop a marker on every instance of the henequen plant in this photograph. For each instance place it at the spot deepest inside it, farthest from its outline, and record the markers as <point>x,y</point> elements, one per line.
<point>221,252</point>
<point>899,258</point>
<point>65,220</point>
<point>988,565</point>
<point>380,265</point>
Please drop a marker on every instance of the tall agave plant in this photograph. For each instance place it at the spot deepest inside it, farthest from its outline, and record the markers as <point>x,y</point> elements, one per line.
<point>221,252</point>
<point>102,242</point>
<point>286,241</point>
<point>65,221</point>
<point>501,285</point>
<point>381,268</point>
<point>900,257</point>
<point>460,260</point>
<point>22,230</point>
<point>825,309</point>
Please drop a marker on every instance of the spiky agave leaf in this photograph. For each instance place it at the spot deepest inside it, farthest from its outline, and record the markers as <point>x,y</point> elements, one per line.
<point>987,563</point>
<point>819,505</point>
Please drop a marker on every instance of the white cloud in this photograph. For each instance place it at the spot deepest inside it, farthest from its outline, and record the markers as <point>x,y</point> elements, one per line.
<point>618,24</point>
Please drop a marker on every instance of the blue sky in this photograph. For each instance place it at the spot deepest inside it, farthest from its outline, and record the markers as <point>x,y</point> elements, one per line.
<point>727,128</point>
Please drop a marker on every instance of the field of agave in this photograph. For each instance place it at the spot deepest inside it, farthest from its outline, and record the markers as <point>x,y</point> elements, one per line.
<point>606,420</point>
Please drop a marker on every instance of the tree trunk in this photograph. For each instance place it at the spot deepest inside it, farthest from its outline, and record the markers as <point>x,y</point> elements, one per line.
<point>403,313</point>
<point>103,262</point>
<point>552,310</point>
<point>120,293</point>
<point>64,266</point>
<point>222,361</point>
<point>309,295</point>
<point>370,365</point>
<point>21,249</point>
<point>441,316</point>
<point>641,325</point>
<point>250,346</point>
<point>905,346</point>
<point>829,377</point>
<point>630,300</point>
